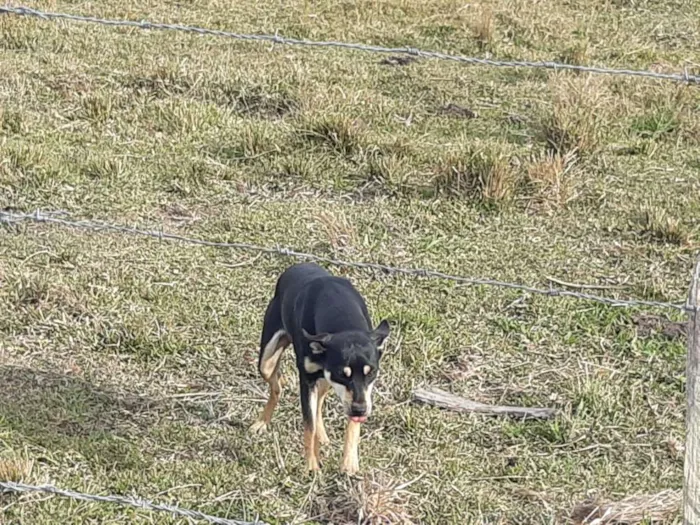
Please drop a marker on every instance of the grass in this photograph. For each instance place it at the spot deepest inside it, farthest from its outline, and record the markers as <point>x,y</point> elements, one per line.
<point>127,365</point>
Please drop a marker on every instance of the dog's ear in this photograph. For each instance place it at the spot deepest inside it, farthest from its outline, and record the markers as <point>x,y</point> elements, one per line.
<point>380,334</point>
<point>317,342</point>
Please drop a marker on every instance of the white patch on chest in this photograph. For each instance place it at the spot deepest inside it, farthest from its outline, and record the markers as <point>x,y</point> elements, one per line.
<point>311,367</point>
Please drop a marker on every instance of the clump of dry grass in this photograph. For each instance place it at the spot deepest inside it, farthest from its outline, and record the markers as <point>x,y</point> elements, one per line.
<point>576,54</point>
<point>644,508</point>
<point>336,133</point>
<point>548,176</point>
<point>483,27</point>
<point>576,120</point>
<point>665,114</point>
<point>656,224</point>
<point>485,175</point>
<point>336,229</point>
<point>374,500</point>
<point>96,109</point>
<point>16,468</point>
<point>11,121</point>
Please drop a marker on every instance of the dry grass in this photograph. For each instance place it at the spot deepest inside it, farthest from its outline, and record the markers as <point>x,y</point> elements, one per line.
<point>373,500</point>
<point>550,177</point>
<point>339,134</point>
<point>577,120</point>
<point>485,174</point>
<point>658,225</point>
<point>633,510</point>
<point>16,468</point>
<point>336,229</point>
<point>127,365</point>
<point>484,26</point>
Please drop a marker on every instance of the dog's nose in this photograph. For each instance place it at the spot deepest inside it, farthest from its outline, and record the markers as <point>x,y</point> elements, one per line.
<point>358,409</point>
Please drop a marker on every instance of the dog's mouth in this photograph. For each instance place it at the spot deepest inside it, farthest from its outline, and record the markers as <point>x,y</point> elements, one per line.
<point>358,419</point>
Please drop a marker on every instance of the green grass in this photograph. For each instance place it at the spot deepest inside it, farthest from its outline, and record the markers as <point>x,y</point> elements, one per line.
<point>127,365</point>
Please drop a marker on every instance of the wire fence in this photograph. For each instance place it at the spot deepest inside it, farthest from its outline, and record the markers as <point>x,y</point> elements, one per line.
<point>8,486</point>
<point>685,76</point>
<point>55,218</point>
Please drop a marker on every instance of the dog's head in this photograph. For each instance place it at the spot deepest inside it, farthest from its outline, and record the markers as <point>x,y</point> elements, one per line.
<point>351,364</point>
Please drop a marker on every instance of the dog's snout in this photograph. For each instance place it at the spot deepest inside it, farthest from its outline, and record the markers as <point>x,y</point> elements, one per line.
<point>358,409</point>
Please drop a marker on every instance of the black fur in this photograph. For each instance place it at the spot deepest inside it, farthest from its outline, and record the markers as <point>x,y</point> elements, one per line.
<point>327,321</point>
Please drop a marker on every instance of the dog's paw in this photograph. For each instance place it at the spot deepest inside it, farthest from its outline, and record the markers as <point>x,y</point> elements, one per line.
<point>313,465</point>
<point>350,466</point>
<point>322,438</point>
<point>258,427</point>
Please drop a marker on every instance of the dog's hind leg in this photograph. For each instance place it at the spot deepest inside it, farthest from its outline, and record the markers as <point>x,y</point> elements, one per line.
<point>273,342</point>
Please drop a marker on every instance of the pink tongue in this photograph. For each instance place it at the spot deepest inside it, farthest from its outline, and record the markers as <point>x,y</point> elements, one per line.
<point>358,419</point>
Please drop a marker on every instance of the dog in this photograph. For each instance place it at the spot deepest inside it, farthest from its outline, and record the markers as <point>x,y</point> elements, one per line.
<point>326,320</point>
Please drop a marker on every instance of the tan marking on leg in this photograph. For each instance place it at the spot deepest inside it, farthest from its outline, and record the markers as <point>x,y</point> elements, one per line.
<point>321,436</point>
<point>310,450</point>
<point>266,415</point>
<point>272,375</point>
<point>351,459</point>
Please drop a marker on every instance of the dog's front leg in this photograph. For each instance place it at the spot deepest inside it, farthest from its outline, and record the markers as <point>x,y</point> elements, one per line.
<point>321,437</point>
<point>351,458</point>
<point>309,407</point>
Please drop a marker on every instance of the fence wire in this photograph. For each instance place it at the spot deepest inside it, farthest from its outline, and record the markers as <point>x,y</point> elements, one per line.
<point>55,218</point>
<point>277,39</point>
<point>9,486</point>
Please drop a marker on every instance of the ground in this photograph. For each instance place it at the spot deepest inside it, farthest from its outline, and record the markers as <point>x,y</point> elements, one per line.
<point>127,364</point>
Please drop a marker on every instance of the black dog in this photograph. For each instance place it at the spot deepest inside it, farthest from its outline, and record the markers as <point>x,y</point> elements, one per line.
<point>326,320</point>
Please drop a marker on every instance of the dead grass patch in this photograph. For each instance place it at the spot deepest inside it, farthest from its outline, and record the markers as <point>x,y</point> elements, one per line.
<point>483,27</point>
<point>96,109</point>
<point>336,229</point>
<point>336,133</point>
<point>374,500</point>
<point>162,82</point>
<point>247,143</point>
<point>18,34</point>
<point>549,178</point>
<point>645,508</point>
<point>576,121</point>
<point>484,174</point>
<point>576,54</point>
<point>658,225</point>
<point>16,468</point>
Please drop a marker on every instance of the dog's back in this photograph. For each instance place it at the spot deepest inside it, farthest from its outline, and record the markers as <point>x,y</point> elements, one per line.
<point>296,277</point>
<point>319,301</point>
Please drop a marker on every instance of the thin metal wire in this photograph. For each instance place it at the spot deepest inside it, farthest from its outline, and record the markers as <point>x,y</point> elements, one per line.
<point>125,501</point>
<point>54,218</point>
<point>277,39</point>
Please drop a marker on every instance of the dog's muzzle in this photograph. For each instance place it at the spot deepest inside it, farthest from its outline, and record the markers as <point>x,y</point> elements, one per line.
<point>358,412</point>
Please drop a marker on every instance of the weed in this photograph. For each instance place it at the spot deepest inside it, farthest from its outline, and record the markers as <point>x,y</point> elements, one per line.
<point>485,175</point>
<point>483,27</point>
<point>658,225</point>
<point>575,123</point>
<point>549,178</point>
<point>336,133</point>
